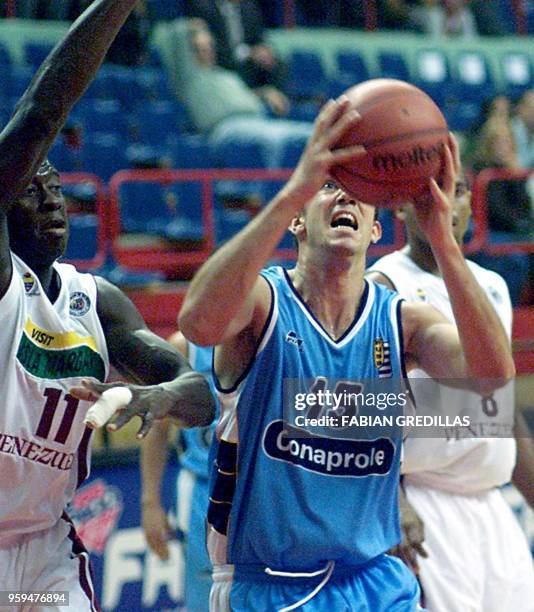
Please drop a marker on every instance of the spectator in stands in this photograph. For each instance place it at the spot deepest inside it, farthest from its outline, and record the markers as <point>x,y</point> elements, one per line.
<point>491,145</point>
<point>130,48</point>
<point>331,13</point>
<point>493,111</point>
<point>237,26</point>
<point>444,18</point>
<point>397,14</point>
<point>523,129</point>
<point>488,17</point>
<point>509,207</point>
<point>228,93</point>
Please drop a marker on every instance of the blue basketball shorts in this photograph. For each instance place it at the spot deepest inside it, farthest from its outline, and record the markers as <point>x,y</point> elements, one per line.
<point>383,585</point>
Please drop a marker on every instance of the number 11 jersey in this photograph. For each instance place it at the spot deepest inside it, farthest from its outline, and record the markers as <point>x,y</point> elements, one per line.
<point>47,348</point>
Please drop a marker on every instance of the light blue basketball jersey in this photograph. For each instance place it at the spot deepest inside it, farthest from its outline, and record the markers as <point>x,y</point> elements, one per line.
<point>197,440</point>
<point>288,499</point>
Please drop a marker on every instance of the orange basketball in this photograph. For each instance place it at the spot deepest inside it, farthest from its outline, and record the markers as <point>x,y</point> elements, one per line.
<point>404,133</point>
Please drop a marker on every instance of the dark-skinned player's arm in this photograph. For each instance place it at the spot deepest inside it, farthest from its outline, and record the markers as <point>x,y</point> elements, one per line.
<point>476,350</point>
<point>43,109</point>
<point>58,84</point>
<point>523,474</point>
<point>154,456</point>
<point>168,387</point>
<point>227,296</point>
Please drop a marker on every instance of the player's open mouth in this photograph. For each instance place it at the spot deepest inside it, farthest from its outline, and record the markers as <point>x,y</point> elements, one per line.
<point>55,227</point>
<point>344,218</point>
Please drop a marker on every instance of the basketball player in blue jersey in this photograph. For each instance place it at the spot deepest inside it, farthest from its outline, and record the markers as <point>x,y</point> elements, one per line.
<point>304,522</point>
<point>59,327</point>
<point>191,490</point>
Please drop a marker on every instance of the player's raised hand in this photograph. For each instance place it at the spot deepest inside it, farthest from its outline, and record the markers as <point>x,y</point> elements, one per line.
<point>434,210</point>
<point>320,153</point>
<point>121,402</point>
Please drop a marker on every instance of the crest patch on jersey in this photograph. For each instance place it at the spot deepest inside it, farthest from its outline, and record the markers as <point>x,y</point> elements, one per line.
<point>79,304</point>
<point>30,284</point>
<point>494,294</point>
<point>421,295</point>
<point>382,357</point>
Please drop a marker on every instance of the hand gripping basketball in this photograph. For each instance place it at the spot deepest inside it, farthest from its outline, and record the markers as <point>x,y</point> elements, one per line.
<point>107,405</point>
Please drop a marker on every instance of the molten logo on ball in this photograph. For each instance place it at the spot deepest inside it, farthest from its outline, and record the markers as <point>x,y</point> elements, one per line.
<point>417,156</point>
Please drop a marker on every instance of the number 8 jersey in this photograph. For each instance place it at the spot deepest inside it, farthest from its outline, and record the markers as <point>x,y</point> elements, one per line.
<point>46,349</point>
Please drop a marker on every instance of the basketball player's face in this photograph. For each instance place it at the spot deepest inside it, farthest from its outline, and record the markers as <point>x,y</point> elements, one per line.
<point>336,220</point>
<point>38,229</point>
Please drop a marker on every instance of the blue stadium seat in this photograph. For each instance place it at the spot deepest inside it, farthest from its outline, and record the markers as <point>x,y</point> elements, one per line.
<point>293,148</point>
<point>157,122</point>
<point>171,212</point>
<point>36,53</point>
<point>153,83</point>
<point>387,221</point>
<point>306,76</point>
<point>393,66</point>
<point>229,221</point>
<point>432,74</point>
<point>351,69</point>
<point>352,64</point>
<point>307,110</point>
<point>516,72</point>
<point>103,154</point>
<point>189,151</point>
<point>165,9</point>
<point>21,77</point>
<point>5,57</point>
<point>239,153</point>
<point>64,158</point>
<point>83,233</point>
<point>472,75</point>
<point>104,116</point>
<point>4,118</point>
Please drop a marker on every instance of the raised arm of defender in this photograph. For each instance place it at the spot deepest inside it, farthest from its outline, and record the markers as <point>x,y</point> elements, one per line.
<point>227,295</point>
<point>477,348</point>
<point>59,83</point>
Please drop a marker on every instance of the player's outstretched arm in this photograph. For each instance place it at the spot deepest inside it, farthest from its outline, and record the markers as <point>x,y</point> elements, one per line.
<point>170,387</point>
<point>58,84</point>
<point>154,455</point>
<point>477,349</point>
<point>226,296</point>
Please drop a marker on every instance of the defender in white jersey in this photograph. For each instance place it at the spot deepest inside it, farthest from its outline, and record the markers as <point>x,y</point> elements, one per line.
<point>283,532</point>
<point>59,328</point>
<point>477,557</point>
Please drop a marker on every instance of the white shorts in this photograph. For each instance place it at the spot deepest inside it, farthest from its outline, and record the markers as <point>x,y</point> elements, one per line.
<point>52,560</point>
<point>478,557</point>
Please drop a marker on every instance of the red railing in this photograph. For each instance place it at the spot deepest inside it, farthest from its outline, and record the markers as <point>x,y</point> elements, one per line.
<point>156,257</point>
